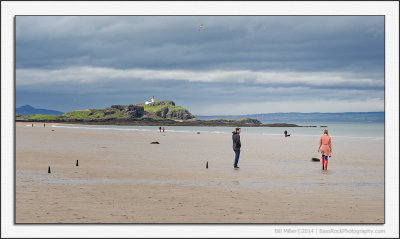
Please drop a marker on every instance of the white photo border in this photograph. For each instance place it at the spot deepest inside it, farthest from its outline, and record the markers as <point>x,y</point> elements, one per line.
<point>9,9</point>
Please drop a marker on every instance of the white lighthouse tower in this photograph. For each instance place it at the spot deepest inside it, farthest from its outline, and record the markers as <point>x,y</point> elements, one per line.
<point>152,101</point>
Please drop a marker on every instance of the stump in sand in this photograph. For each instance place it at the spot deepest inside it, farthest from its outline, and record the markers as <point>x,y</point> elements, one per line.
<point>155,142</point>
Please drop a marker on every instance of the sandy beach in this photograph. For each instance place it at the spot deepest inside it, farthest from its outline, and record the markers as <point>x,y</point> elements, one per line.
<point>122,178</point>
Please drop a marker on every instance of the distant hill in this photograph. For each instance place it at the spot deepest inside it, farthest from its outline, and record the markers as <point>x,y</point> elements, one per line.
<point>293,117</point>
<point>29,110</point>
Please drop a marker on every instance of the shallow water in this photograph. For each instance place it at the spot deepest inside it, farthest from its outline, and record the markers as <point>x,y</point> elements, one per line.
<point>373,131</point>
<point>27,177</point>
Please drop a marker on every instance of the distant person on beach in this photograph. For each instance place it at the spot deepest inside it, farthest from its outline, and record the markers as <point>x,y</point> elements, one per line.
<point>325,146</point>
<point>44,125</point>
<point>286,134</point>
<point>160,128</point>
<point>236,146</point>
<point>163,129</point>
<point>32,125</point>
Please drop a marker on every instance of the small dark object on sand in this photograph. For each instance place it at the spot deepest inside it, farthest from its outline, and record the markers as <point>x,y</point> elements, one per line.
<point>155,142</point>
<point>49,171</point>
<point>315,159</point>
<point>198,132</point>
<point>323,126</point>
<point>207,165</point>
<point>77,164</point>
<point>52,130</point>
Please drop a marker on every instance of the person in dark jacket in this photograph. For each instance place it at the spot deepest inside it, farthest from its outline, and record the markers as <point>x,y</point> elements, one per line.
<point>236,146</point>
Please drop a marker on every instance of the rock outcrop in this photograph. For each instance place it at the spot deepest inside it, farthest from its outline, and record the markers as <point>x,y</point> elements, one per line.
<point>110,111</point>
<point>162,112</point>
<point>171,113</point>
<point>134,111</point>
<point>181,114</point>
<point>243,121</point>
<point>119,107</point>
<point>249,121</point>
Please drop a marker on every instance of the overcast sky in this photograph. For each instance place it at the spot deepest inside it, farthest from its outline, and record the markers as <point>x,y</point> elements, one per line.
<point>233,65</point>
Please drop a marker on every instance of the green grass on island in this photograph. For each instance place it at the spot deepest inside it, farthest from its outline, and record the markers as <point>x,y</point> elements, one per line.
<point>42,117</point>
<point>77,114</point>
<point>150,108</point>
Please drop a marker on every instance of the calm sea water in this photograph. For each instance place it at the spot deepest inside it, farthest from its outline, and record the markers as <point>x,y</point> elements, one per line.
<point>356,130</point>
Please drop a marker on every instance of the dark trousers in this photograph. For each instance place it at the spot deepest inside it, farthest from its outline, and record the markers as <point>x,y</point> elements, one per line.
<point>237,154</point>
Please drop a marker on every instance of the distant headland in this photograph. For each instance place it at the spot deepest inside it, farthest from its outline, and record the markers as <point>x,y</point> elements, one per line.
<point>29,110</point>
<point>152,113</point>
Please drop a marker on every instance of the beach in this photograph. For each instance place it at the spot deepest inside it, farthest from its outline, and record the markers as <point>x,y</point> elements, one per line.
<point>122,178</point>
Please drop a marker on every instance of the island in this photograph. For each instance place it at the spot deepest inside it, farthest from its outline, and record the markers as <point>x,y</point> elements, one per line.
<point>155,113</point>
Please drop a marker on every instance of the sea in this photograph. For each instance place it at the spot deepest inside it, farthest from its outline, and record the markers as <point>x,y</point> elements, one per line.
<point>350,125</point>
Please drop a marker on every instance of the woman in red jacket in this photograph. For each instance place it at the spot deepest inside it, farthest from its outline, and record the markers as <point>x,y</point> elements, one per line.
<point>325,146</point>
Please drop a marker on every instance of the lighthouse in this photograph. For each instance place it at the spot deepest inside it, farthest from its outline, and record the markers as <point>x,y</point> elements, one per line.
<point>152,101</point>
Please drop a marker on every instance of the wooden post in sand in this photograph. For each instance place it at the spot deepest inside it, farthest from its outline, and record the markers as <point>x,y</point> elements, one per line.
<point>48,171</point>
<point>77,163</point>
<point>207,164</point>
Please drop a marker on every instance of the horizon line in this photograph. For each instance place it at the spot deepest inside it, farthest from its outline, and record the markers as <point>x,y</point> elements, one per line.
<point>298,113</point>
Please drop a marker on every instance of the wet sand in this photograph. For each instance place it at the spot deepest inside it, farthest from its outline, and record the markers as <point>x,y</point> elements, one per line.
<point>122,178</point>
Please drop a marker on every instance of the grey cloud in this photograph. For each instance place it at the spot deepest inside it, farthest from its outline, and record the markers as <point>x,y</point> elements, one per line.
<point>193,95</point>
<point>101,75</point>
<point>308,43</point>
<point>350,48</point>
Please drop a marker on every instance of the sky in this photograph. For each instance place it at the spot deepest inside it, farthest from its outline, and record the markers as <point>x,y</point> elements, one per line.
<point>233,65</point>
